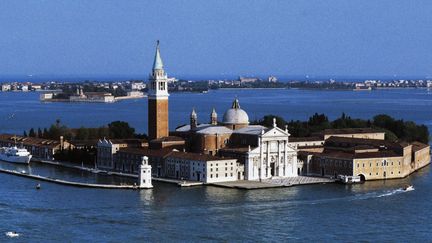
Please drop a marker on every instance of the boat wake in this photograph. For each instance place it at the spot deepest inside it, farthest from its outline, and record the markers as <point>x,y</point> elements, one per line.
<point>383,194</point>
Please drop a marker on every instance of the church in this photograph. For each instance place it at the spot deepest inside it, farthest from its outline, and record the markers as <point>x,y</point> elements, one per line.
<point>264,152</point>
<point>220,150</point>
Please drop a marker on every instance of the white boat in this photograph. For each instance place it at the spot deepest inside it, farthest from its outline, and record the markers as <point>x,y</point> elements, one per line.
<point>408,188</point>
<point>12,234</point>
<point>15,155</point>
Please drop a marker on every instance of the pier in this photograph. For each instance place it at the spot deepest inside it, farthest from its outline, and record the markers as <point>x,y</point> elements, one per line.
<point>181,183</point>
<point>68,183</point>
<point>274,182</point>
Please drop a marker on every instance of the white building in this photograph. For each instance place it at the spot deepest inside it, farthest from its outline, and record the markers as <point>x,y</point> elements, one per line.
<point>105,153</point>
<point>144,176</point>
<point>201,167</point>
<point>272,157</point>
<point>138,86</point>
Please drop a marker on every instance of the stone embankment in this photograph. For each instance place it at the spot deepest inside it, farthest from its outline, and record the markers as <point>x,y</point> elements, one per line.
<point>68,183</point>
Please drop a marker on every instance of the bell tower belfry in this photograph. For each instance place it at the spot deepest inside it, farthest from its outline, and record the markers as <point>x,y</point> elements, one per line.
<point>158,125</point>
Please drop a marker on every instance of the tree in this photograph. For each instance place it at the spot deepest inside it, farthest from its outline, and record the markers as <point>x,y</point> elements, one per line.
<point>39,133</point>
<point>32,133</point>
<point>45,133</point>
<point>25,134</point>
<point>120,129</point>
<point>82,134</point>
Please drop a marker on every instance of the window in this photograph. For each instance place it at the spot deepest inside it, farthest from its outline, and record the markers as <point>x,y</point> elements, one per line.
<point>211,175</point>
<point>358,165</point>
<point>216,175</point>
<point>226,174</point>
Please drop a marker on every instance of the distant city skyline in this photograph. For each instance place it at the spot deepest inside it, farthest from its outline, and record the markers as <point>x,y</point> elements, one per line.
<point>215,39</point>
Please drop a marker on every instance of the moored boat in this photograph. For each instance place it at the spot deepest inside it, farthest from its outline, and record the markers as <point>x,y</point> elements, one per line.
<point>15,155</point>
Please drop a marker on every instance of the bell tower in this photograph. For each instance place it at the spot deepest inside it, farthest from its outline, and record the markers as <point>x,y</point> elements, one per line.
<point>158,99</point>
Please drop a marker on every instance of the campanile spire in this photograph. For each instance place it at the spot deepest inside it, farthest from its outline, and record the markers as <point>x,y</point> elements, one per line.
<point>158,99</point>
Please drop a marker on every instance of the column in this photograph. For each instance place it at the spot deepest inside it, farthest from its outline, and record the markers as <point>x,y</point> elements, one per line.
<point>285,159</point>
<point>261,167</point>
<point>279,164</point>
<point>268,160</point>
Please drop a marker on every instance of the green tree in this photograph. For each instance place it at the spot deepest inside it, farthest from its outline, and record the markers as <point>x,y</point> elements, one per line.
<point>39,133</point>
<point>120,129</point>
<point>32,133</point>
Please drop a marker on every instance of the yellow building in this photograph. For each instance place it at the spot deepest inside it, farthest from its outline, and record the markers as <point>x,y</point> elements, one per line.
<point>371,159</point>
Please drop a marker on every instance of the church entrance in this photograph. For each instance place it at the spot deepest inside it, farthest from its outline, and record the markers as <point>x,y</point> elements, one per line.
<point>272,169</point>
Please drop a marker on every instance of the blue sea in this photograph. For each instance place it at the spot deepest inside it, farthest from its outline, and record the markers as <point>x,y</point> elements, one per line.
<point>374,211</point>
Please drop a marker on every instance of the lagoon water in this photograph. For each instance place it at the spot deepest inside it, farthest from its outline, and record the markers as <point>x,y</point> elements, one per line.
<point>374,211</point>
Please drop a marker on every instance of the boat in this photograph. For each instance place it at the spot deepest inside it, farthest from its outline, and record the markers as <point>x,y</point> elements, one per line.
<point>348,179</point>
<point>12,234</point>
<point>408,188</point>
<point>15,155</point>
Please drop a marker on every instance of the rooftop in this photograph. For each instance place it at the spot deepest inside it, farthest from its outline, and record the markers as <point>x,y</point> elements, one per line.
<point>351,130</point>
<point>196,156</point>
<point>416,146</point>
<point>305,139</point>
<point>186,128</point>
<point>147,152</point>
<point>252,130</point>
<point>215,130</point>
<point>30,140</point>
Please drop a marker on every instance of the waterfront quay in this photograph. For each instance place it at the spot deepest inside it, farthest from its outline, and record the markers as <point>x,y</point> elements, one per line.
<point>275,182</point>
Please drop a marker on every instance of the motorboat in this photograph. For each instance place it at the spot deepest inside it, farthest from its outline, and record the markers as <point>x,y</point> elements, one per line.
<point>12,234</point>
<point>408,188</point>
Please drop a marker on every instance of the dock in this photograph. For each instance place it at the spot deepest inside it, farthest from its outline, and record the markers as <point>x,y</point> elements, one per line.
<point>274,182</point>
<point>68,183</point>
<point>181,183</point>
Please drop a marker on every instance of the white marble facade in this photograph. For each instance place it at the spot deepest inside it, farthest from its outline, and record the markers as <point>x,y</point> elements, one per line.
<point>274,156</point>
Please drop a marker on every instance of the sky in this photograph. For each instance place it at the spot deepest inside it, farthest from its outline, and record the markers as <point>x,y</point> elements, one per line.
<point>331,38</point>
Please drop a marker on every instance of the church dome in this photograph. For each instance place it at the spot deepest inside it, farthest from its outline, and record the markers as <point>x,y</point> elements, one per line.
<point>235,115</point>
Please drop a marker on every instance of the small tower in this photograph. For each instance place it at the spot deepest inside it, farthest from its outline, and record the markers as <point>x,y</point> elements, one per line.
<point>193,119</point>
<point>213,117</point>
<point>145,180</point>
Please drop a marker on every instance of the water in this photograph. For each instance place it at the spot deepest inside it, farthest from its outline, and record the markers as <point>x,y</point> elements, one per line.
<point>374,211</point>
<point>21,111</point>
